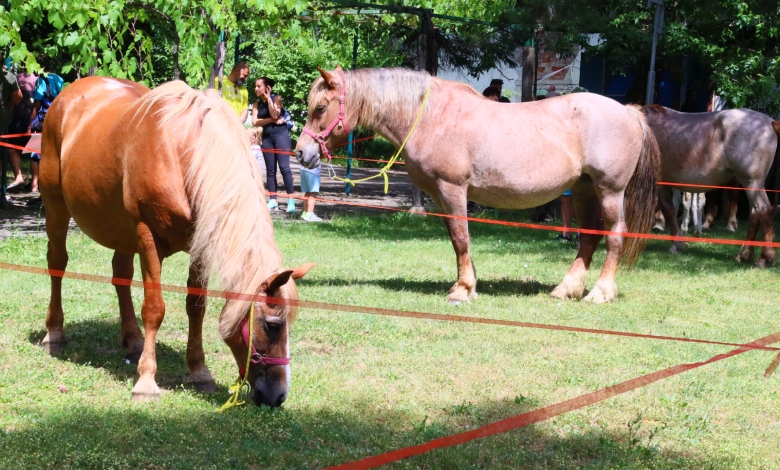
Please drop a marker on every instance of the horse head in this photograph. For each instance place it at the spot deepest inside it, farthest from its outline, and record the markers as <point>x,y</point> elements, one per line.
<point>326,125</point>
<point>268,374</point>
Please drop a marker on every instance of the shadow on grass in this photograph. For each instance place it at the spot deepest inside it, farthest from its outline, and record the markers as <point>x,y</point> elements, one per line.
<point>153,436</point>
<point>96,343</point>
<point>406,227</point>
<point>496,287</point>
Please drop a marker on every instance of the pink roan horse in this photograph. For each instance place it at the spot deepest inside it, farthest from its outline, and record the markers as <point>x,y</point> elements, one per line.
<point>155,173</point>
<point>510,156</point>
<point>713,149</point>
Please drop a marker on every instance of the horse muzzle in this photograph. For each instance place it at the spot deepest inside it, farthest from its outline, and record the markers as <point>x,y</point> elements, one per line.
<point>308,155</point>
<point>269,392</point>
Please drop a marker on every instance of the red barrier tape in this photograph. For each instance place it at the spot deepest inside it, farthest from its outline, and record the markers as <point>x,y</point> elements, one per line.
<point>648,236</point>
<point>17,147</point>
<point>548,412</point>
<point>352,308</point>
<point>706,186</point>
<point>11,136</point>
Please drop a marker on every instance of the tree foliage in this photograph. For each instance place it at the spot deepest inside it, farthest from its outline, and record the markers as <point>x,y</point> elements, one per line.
<point>153,40</point>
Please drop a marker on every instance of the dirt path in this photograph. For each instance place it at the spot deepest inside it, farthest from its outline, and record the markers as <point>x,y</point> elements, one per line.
<point>24,215</point>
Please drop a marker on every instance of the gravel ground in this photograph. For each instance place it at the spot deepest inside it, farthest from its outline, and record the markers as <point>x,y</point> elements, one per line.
<point>24,214</point>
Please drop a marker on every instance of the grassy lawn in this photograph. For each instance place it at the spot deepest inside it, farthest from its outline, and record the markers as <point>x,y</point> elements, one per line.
<point>364,384</point>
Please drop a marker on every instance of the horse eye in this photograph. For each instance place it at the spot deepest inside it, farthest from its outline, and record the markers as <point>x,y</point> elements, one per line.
<point>320,108</point>
<point>274,325</point>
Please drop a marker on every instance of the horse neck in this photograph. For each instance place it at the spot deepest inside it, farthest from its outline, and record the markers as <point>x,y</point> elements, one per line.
<point>386,100</point>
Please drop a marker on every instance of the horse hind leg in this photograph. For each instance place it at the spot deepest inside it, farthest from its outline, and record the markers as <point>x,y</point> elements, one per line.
<point>57,221</point>
<point>452,200</point>
<point>586,209</point>
<point>200,376</point>
<point>612,210</point>
<point>760,218</point>
<point>130,335</point>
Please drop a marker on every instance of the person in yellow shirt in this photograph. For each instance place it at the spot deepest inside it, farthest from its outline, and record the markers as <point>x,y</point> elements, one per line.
<point>233,90</point>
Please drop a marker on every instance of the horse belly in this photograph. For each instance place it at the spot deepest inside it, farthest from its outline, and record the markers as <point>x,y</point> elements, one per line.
<point>522,186</point>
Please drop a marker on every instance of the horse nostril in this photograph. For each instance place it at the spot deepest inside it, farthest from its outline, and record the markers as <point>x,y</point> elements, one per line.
<point>280,400</point>
<point>299,155</point>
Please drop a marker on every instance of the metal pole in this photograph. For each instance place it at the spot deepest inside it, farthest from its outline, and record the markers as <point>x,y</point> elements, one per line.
<point>658,27</point>
<point>347,186</point>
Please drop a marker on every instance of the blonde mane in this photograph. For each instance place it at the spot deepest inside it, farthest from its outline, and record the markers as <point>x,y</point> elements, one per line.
<point>233,233</point>
<point>392,95</point>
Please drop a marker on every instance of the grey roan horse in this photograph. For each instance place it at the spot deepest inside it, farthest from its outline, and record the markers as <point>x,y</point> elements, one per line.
<point>509,156</point>
<point>712,149</point>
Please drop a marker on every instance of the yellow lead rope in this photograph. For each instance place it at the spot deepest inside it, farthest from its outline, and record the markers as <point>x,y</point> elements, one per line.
<point>383,171</point>
<point>240,382</point>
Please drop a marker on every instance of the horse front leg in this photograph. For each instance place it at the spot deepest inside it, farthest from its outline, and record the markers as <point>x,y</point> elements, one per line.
<point>587,211</point>
<point>452,200</point>
<point>698,211</point>
<point>687,200</point>
<point>200,376</point>
<point>667,207</point>
<point>613,212</point>
<point>731,199</point>
<point>130,335</point>
<point>152,314</point>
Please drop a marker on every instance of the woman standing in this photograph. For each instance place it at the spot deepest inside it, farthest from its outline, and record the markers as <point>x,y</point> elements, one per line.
<point>267,113</point>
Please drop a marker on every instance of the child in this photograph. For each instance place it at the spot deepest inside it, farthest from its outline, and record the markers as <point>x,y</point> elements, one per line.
<point>255,137</point>
<point>310,185</point>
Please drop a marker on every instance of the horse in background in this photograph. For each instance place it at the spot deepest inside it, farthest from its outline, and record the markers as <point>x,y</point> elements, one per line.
<point>155,173</point>
<point>692,211</point>
<point>711,149</point>
<point>509,156</point>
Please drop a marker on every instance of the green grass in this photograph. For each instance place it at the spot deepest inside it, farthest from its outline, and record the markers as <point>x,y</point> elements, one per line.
<point>364,384</point>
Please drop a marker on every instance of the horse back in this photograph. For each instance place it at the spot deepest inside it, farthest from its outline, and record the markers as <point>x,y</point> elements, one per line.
<point>98,157</point>
<point>710,148</point>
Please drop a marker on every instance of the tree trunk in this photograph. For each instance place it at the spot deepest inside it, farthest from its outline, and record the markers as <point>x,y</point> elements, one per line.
<point>529,73</point>
<point>215,79</point>
<point>428,60</point>
<point>176,58</point>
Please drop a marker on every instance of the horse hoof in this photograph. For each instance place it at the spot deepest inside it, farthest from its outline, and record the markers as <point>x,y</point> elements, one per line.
<point>205,387</point>
<point>146,390</point>
<point>144,397</point>
<point>601,294</point>
<point>567,291</point>
<point>133,357</point>
<point>731,228</point>
<point>744,257</point>
<point>456,302</point>
<point>53,349</point>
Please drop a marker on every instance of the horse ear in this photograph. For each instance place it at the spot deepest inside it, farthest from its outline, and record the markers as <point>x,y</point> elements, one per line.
<point>276,281</point>
<point>327,76</point>
<point>339,69</point>
<point>301,270</point>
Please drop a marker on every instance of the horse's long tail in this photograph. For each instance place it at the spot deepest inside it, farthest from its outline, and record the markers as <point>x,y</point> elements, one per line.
<point>641,192</point>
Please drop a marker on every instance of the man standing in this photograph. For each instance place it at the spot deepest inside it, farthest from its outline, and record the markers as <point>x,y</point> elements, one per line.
<point>10,96</point>
<point>233,90</point>
<point>498,83</point>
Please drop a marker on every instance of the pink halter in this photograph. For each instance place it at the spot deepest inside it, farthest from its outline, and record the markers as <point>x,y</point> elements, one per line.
<point>342,118</point>
<point>256,357</point>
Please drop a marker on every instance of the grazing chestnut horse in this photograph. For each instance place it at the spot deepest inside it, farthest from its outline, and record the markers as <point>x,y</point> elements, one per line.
<point>155,173</point>
<point>712,149</point>
<point>510,156</point>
